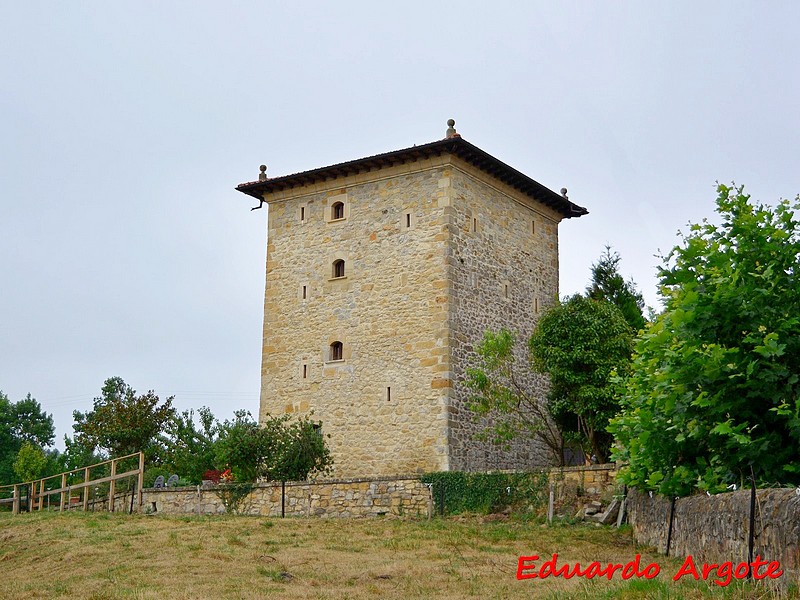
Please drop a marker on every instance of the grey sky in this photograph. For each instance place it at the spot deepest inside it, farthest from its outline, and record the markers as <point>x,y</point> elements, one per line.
<point>124,127</point>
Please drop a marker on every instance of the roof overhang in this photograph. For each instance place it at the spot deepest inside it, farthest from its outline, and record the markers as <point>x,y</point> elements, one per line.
<point>456,146</point>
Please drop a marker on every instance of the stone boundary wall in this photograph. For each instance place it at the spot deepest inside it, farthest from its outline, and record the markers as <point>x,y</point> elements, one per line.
<point>591,480</point>
<point>716,528</point>
<point>364,497</point>
<point>359,497</point>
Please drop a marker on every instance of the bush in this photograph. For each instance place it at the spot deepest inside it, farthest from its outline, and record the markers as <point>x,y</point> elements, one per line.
<point>486,492</point>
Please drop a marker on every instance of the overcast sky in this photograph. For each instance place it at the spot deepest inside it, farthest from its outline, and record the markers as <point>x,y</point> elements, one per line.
<point>124,127</point>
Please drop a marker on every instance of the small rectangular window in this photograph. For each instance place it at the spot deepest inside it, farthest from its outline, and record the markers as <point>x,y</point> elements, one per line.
<point>305,371</point>
<point>302,213</point>
<point>408,219</point>
<point>305,292</point>
<point>536,305</point>
<point>388,394</point>
<point>505,290</point>
<point>533,227</point>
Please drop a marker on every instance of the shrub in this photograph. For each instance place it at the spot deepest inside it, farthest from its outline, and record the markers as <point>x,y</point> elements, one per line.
<point>486,492</point>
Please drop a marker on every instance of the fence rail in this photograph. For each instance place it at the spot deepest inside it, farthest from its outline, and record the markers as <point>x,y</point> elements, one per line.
<point>36,491</point>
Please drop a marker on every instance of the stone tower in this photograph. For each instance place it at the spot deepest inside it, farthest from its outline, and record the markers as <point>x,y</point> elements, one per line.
<point>382,273</point>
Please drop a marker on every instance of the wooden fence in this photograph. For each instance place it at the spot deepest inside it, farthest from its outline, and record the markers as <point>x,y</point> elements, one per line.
<point>37,490</point>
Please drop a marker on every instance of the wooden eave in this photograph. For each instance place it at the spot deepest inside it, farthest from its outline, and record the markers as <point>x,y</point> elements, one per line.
<point>456,146</point>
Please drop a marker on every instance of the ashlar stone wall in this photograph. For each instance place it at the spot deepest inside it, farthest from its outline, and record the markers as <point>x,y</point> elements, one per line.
<point>435,252</point>
<point>384,403</point>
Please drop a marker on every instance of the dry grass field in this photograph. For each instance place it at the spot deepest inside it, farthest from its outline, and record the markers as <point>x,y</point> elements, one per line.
<point>99,556</point>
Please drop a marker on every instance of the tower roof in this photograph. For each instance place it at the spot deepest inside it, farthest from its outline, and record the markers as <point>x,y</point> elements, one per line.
<point>455,145</point>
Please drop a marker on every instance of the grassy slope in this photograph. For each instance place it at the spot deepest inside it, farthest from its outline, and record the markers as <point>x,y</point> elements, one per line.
<point>98,556</point>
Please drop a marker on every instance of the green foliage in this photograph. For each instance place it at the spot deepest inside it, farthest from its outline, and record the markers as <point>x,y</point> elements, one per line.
<point>714,390</point>
<point>21,422</point>
<point>30,463</point>
<point>278,449</point>
<point>191,449</point>
<point>77,455</point>
<point>486,492</point>
<point>579,344</point>
<point>608,284</point>
<point>233,495</point>
<point>123,423</point>
<point>500,390</point>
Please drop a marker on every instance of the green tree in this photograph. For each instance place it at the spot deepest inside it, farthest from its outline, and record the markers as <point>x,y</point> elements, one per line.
<point>123,423</point>
<point>502,394</point>
<point>608,284</point>
<point>77,455</point>
<point>21,422</point>
<point>191,450</point>
<point>30,462</point>
<point>278,449</point>
<point>580,343</point>
<point>714,390</point>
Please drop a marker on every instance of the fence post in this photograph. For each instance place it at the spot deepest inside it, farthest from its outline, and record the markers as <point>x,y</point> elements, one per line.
<point>283,499</point>
<point>141,477</point>
<point>31,493</point>
<point>550,504</point>
<point>113,487</point>
<point>621,514</point>
<point>15,505</point>
<point>86,490</point>
<point>669,531</point>
<point>133,494</point>
<point>63,491</point>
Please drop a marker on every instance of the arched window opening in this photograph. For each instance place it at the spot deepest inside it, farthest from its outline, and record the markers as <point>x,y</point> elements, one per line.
<point>337,210</point>
<point>338,268</point>
<point>336,351</point>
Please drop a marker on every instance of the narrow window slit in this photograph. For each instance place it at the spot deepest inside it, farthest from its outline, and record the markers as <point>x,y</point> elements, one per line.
<point>338,268</point>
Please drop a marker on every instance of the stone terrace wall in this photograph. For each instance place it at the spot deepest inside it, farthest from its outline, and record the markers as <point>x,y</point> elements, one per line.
<point>361,497</point>
<point>339,498</point>
<point>716,528</point>
<point>591,480</point>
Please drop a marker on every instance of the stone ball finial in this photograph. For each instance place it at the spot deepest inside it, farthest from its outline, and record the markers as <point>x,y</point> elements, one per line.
<point>451,130</point>
<point>564,192</point>
<point>263,175</point>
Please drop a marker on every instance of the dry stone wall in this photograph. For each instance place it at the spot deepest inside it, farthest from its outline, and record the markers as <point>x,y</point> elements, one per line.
<point>716,528</point>
<point>339,498</point>
<point>361,497</point>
